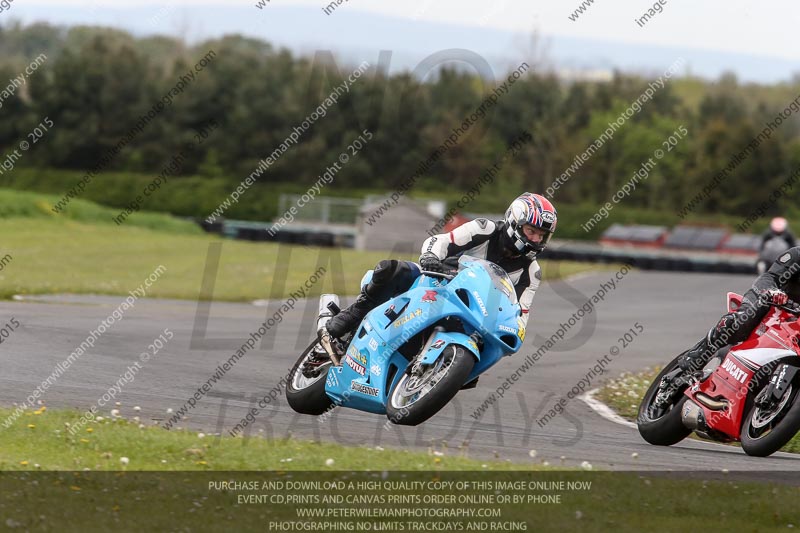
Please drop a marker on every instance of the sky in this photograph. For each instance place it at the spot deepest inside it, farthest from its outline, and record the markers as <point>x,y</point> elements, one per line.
<point>754,40</point>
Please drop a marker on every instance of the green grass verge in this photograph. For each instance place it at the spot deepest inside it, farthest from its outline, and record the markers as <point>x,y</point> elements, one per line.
<point>127,499</point>
<point>40,440</point>
<point>625,393</point>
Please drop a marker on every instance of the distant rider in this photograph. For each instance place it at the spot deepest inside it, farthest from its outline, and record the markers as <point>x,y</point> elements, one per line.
<point>512,243</point>
<point>778,229</point>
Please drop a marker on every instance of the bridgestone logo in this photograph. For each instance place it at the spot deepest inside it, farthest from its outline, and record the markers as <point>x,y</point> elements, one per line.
<point>358,387</point>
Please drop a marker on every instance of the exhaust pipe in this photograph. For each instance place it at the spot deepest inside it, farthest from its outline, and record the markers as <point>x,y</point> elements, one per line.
<point>692,416</point>
<point>711,403</point>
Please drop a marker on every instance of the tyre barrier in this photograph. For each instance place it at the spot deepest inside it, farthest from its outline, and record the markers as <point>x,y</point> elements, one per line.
<point>648,261</point>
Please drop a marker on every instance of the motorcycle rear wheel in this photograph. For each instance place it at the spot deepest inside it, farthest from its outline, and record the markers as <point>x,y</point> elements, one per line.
<point>307,395</point>
<point>658,426</point>
<point>417,398</point>
<point>764,432</point>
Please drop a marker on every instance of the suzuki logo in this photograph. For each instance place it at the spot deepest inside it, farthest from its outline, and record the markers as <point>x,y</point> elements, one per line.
<point>429,296</point>
<point>736,373</point>
<point>480,303</point>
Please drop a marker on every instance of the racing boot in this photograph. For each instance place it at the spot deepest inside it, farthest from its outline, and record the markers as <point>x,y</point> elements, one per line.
<point>730,329</point>
<point>695,357</point>
<point>350,317</point>
<point>687,369</point>
<point>389,277</point>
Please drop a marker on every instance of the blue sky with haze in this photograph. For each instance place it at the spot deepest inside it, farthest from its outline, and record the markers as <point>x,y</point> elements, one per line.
<point>753,40</point>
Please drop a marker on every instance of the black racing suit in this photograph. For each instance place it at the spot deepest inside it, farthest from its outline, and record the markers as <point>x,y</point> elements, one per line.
<point>736,326</point>
<point>786,235</point>
<point>481,238</point>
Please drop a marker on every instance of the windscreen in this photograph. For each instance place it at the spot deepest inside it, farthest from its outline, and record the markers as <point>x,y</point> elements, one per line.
<point>499,277</point>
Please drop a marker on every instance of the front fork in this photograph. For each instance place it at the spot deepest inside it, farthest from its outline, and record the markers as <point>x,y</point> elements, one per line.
<point>415,368</point>
<point>773,393</point>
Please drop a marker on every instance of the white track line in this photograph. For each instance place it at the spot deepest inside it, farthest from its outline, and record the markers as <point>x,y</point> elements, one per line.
<point>603,410</point>
<point>606,412</point>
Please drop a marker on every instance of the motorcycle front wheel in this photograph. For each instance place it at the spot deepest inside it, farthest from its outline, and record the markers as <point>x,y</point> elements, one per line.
<point>416,398</point>
<point>767,429</point>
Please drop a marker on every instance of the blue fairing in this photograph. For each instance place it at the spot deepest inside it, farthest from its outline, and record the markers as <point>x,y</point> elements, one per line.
<point>481,296</point>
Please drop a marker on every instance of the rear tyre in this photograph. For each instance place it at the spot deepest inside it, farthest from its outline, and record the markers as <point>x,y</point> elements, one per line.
<point>305,385</point>
<point>662,425</point>
<point>767,430</point>
<point>417,398</point>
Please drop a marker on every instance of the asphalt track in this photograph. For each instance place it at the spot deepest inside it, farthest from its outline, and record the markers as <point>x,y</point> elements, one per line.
<point>674,310</point>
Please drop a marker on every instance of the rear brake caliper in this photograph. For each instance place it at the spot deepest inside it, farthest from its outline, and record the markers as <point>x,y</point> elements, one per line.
<point>313,366</point>
<point>332,346</point>
<point>671,384</point>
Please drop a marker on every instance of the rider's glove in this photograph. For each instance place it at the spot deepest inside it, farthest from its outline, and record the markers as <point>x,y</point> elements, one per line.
<point>775,297</point>
<point>429,261</point>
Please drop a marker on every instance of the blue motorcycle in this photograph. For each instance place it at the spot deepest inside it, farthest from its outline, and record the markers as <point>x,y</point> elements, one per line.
<point>411,355</point>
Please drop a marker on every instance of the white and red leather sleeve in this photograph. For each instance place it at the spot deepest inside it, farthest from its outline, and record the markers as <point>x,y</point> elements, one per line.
<point>464,237</point>
<point>526,298</point>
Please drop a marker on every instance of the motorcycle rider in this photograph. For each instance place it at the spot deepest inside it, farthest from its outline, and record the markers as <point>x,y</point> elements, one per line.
<point>774,287</point>
<point>778,229</point>
<point>512,243</point>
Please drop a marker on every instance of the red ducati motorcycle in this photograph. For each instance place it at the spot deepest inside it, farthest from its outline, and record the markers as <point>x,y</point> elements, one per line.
<point>748,393</point>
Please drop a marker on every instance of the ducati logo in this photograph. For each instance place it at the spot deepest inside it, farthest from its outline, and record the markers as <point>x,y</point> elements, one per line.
<point>736,373</point>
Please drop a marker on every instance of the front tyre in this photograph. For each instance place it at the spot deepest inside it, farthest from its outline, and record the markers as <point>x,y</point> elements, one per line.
<point>767,428</point>
<point>417,397</point>
<point>659,423</point>
<point>305,385</point>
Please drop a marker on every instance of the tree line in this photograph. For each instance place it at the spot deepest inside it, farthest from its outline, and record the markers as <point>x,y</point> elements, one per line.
<point>97,83</point>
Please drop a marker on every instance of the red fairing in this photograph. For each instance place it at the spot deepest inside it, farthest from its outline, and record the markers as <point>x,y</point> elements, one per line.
<point>729,381</point>
<point>734,301</point>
